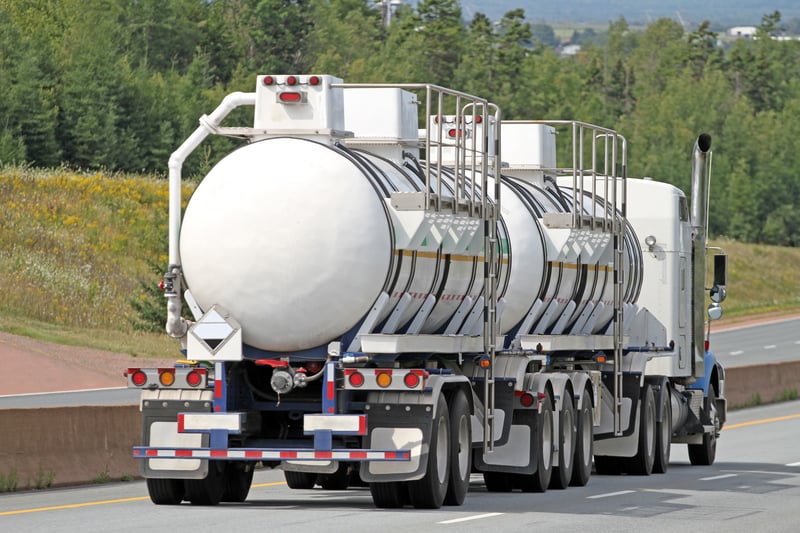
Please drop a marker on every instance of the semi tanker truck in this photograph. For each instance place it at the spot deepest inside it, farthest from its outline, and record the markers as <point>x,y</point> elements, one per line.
<point>392,286</point>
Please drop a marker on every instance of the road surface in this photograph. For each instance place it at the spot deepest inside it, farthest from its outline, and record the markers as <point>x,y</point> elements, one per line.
<point>754,486</point>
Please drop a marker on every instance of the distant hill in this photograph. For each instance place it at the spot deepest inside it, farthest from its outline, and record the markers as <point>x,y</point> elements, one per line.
<point>721,12</point>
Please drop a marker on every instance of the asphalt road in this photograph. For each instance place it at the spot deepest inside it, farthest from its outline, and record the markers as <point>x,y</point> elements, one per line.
<point>770,342</point>
<point>754,486</point>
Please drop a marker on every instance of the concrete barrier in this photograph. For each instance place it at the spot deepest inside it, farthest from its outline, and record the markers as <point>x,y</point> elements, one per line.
<point>73,445</point>
<point>67,445</point>
<point>764,383</point>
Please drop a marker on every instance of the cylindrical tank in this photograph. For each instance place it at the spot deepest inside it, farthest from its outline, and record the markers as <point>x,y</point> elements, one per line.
<point>293,237</point>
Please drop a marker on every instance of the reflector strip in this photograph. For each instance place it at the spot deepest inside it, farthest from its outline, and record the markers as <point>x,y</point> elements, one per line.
<point>337,424</point>
<point>202,422</point>
<point>272,454</point>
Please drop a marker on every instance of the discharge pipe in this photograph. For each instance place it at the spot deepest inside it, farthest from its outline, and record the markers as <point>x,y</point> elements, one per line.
<point>701,176</point>
<point>209,124</point>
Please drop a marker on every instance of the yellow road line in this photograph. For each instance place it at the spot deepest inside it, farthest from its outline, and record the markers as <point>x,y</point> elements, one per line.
<point>105,502</point>
<point>763,421</point>
<point>72,506</point>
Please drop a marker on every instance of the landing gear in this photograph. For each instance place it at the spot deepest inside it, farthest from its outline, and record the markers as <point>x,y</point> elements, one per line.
<point>705,453</point>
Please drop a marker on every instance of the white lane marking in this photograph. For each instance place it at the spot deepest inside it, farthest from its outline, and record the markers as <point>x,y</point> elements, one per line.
<point>769,346</point>
<point>797,342</point>
<point>794,464</point>
<point>737,352</point>
<point>610,494</point>
<point>723,476</point>
<point>468,518</point>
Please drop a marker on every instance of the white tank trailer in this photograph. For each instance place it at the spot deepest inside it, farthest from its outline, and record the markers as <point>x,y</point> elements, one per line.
<point>400,302</point>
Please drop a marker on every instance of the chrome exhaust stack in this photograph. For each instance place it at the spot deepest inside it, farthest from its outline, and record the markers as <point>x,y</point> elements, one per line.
<point>701,176</point>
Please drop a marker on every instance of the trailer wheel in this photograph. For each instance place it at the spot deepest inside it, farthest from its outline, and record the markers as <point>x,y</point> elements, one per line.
<point>497,481</point>
<point>562,474</point>
<point>339,480</point>
<point>607,465</point>
<point>460,449</point>
<point>539,480</point>
<point>391,495</point>
<point>207,491</point>
<point>165,491</point>
<point>429,492</point>
<point>705,453</point>
<point>300,480</point>
<point>642,463</point>
<point>584,445</point>
<point>663,434</point>
<point>238,478</point>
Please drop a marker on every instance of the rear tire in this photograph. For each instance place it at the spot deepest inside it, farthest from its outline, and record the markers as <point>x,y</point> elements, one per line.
<point>539,480</point>
<point>607,465</point>
<point>238,478</point>
<point>429,492</point>
<point>705,453</point>
<point>663,434</point>
<point>339,480</point>
<point>641,464</point>
<point>392,495</point>
<point>165,491</point>
<point>562,474</point>
<point>460,449</point>
<point>584,444</point>
<point>300,480</point>
<point>207,491</point>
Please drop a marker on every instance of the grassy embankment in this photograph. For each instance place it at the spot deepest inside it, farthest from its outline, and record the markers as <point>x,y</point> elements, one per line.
<point>75,249</point>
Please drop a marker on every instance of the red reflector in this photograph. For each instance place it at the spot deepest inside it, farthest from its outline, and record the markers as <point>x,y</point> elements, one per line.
<point>314,80</point>
<point>268,80</point>
<point>291,80</point>
<point>194,378</point>
<point>411,380</point>
<point>139,378</point>
<point>526,399</point>
<point>162,285</point>
<point>452,132</point>
<point>479,119</point>
<point>706,345</point>
<point>356,379</point>
<point>290,97</point>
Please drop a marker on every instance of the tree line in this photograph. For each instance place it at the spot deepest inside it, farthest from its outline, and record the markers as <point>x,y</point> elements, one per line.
<point>119,84</point>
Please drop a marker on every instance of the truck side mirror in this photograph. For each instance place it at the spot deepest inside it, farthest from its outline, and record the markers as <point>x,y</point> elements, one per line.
<point>720,270</point>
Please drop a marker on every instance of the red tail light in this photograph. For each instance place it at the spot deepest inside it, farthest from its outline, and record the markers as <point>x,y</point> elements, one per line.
<point>268,80</point>
<point>291,80</point>
<point>194,378</point>
<point>356,379</point>
<point>314,80</point>
<point>138,378</point>
<point>411,380</point>
<point>526,399</point>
